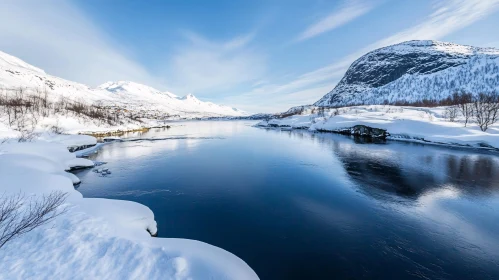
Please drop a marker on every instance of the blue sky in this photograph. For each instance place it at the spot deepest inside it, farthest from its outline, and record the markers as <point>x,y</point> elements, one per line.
<point>259,55</point>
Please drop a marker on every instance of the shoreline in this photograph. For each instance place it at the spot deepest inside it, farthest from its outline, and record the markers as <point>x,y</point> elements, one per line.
<point>398,123</point>
<point>119,132</point>
<point>395,138</point>
<point>101,230</point>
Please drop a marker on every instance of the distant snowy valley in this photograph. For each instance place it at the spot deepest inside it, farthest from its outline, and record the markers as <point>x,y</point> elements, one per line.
<point>49,102</point>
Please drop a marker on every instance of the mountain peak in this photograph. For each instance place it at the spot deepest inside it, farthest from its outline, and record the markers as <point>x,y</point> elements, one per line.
<point>189,97</point>
<point>126,85</point>
<point>415,70</point>
<point>132,87</point>
<point>428,46</point>
<point>134,97</point>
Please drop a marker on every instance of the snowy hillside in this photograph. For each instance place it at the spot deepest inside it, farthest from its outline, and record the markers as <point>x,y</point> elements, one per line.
<point>416,70</point>
<point>131,95</point>
<point>15,73</point>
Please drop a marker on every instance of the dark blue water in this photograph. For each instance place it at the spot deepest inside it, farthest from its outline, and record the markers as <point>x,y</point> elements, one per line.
<point>298,205</point>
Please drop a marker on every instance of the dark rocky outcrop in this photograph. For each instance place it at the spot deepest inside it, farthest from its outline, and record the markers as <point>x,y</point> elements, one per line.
<point>73,149</point>
<point>361,131</point>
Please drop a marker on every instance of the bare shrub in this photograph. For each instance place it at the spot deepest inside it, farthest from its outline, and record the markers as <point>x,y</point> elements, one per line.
<point>24,108</point>
<point>464,102</point>
<point>57,129</point>
<point>451,113</point>
<point>486,109</point>
<point>321,112</point>
<point>20,215</point>
<point>25,124</point>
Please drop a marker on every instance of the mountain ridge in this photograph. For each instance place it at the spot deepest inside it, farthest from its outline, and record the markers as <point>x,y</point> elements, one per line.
<point>16,73</point>
<point>415,70</point>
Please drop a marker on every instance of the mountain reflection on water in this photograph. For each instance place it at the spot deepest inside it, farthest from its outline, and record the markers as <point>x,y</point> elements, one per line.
<point>301,205</point>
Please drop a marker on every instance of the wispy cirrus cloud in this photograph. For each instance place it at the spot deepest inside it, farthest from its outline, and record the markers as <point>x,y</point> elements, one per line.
<point>447,17</point>
<point>349,11</point>
<point>201,64</point>
<point>57,37</point>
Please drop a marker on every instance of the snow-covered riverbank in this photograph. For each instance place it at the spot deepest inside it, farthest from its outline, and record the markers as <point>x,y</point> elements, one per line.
<point>96,238</point>
<point>429,125</point>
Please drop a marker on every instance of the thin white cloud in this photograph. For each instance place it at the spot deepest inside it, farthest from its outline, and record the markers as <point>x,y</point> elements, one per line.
<point>57,37</point>
<point>448,17</point>
<point>203,65</point>
<point>349,11</point>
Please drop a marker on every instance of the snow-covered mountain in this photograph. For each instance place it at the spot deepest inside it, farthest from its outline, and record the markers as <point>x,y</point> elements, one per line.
<point>15,74</point>
<point>416,70</point>
<point>137,96</point>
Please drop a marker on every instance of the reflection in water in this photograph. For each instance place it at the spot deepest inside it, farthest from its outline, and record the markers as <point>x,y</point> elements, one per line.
<point>300,205</point>
<point>411,170</point>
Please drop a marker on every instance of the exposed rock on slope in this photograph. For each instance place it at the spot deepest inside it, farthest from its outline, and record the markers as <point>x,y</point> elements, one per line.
<point>414,71</point>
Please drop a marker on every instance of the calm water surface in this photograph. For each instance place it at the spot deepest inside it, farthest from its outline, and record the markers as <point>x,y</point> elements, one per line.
<point>298,205</point>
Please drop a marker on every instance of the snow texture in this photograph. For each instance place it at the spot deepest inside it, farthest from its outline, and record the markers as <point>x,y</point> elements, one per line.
<point>414,71</point>
<point>96,238</point>
<point>415,124</point>
<point>141,100</point>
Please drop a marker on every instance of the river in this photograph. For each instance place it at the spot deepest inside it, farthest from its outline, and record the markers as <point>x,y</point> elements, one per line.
<point>301,205</point>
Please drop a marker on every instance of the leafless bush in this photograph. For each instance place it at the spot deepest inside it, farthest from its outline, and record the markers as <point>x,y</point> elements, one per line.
<point>24,107</point>
<point>464,102</point>
<point>486,109</point>
<point>451,113</point>
<point>20,215</point>
<point>25,124</point>
<point>321,112</point>
<point>57,129</point>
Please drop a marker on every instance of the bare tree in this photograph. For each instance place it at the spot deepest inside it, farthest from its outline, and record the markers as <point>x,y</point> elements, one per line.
<point>57,129</point>
<point>451,113</point>
<point>20,215</point>
<point>25,124</point>
<point>464,102</point>
<point>486,109</point>
<point>321,112</point>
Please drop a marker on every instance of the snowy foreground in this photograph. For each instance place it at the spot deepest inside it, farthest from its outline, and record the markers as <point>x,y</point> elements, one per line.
<point>429,125</point>
<point>96,238</point>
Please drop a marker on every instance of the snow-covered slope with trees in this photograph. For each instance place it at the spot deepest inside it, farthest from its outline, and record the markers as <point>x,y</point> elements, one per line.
<point>414,71</point>
<point>15,74</point>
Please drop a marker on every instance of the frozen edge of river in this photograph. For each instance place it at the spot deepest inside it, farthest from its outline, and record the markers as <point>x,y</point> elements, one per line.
<point>96,237</point>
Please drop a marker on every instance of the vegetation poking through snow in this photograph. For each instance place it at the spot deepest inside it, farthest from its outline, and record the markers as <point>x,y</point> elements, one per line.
<point>23,109</point>
<point>20,214</point>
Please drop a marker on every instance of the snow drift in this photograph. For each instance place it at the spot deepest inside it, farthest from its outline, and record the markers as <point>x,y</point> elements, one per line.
<point>428,125</point>
<point>96,238</point>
